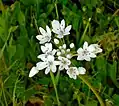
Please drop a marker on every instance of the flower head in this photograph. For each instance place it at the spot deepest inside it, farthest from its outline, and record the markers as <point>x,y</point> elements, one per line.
<point>59,28</point>
<point>45,36</point>
<point>95,48</point>
<point>49,65</point>
<point>85,53</point>
<point>47,50</point>
<point>73,72</point>
<point>64,63</point>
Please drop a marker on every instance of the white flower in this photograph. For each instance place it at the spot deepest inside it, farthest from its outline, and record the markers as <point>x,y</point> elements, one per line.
<point>45,36</point>
<point>56,41</point>
<point>95,48</point>
<point>47,50</point>
<point>60,29</point>
<point>81,70</point>
<point>50,64</point>
<point>71,45</point>
<point>64,63</point>
<point>73,72</point>
<point>85,53</point>
<point>33,71</point>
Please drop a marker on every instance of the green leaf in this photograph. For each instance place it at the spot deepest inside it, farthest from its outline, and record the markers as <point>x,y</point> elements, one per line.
<point>12,29</point>
<point>112,69</point>
<point>11,51</point>
<point>101,66</point>
<point>116,99</point>
<point>21,18</point>
<point>44,81</point>
<point>29,2</point>
<point>92,103</point>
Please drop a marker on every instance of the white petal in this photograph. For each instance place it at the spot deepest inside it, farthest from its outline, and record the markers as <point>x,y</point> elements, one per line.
<point>48,30</point>
<point>81,70</point>
<point>47,70</point>
<point>56,31</point>
<point>91,48</point>
<point>53,68</point>
<point>62,25</point>
<point>74,76</point>
<point>80,50</point>
<point>80,57</point>
<point>39,37</point>
<point>33,72</point>
<point>67,29</point>
<point>41,65</point>
<point>87,58</point>
<point>42,31</point>
<point>44,49</point>
<point>56,24</point>
<point>66,33</point>
<point>48,46</point>
<point>42,57</point>
<point>44,40</point>
<point>92,55</point>
<point>85,45</point>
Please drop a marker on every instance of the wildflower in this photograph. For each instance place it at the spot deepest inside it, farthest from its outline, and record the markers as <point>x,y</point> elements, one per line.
<point>45,36</point>
<point>47,50</point>
<point>48,65</point>
<point>85,53</point>
<point>64,63</point>
<point>73,72</point>
<point>81,70</point>
<point>60,29</point>
<point>95,48</point>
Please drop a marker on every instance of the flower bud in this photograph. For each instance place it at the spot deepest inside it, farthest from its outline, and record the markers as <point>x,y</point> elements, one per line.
<point>64,46</point>
<point>56,41</point>
<point>72,45</point>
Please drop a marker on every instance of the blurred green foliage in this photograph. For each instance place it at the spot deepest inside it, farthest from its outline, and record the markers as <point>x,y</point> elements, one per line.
<point>19,49</point>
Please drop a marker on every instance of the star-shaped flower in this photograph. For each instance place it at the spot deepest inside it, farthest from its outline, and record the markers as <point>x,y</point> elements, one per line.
<point>45,35</point>
<point>64,63</point>
<point>47,50</point>
<point>73,72</point>
<point>60,29</point>
<point>85,53</point>
<point>49,65</point>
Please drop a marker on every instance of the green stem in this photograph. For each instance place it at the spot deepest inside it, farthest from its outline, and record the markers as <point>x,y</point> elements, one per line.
<point>15,86</point>
<point>54,84</point>
<point>57,77</point>
<point>93,90</point>
<point>56,9</point>
<point>84,33</point>
<point>4,95</point>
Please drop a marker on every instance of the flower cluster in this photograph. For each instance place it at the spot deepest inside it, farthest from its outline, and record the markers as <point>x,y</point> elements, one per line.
<point>60,58</point>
